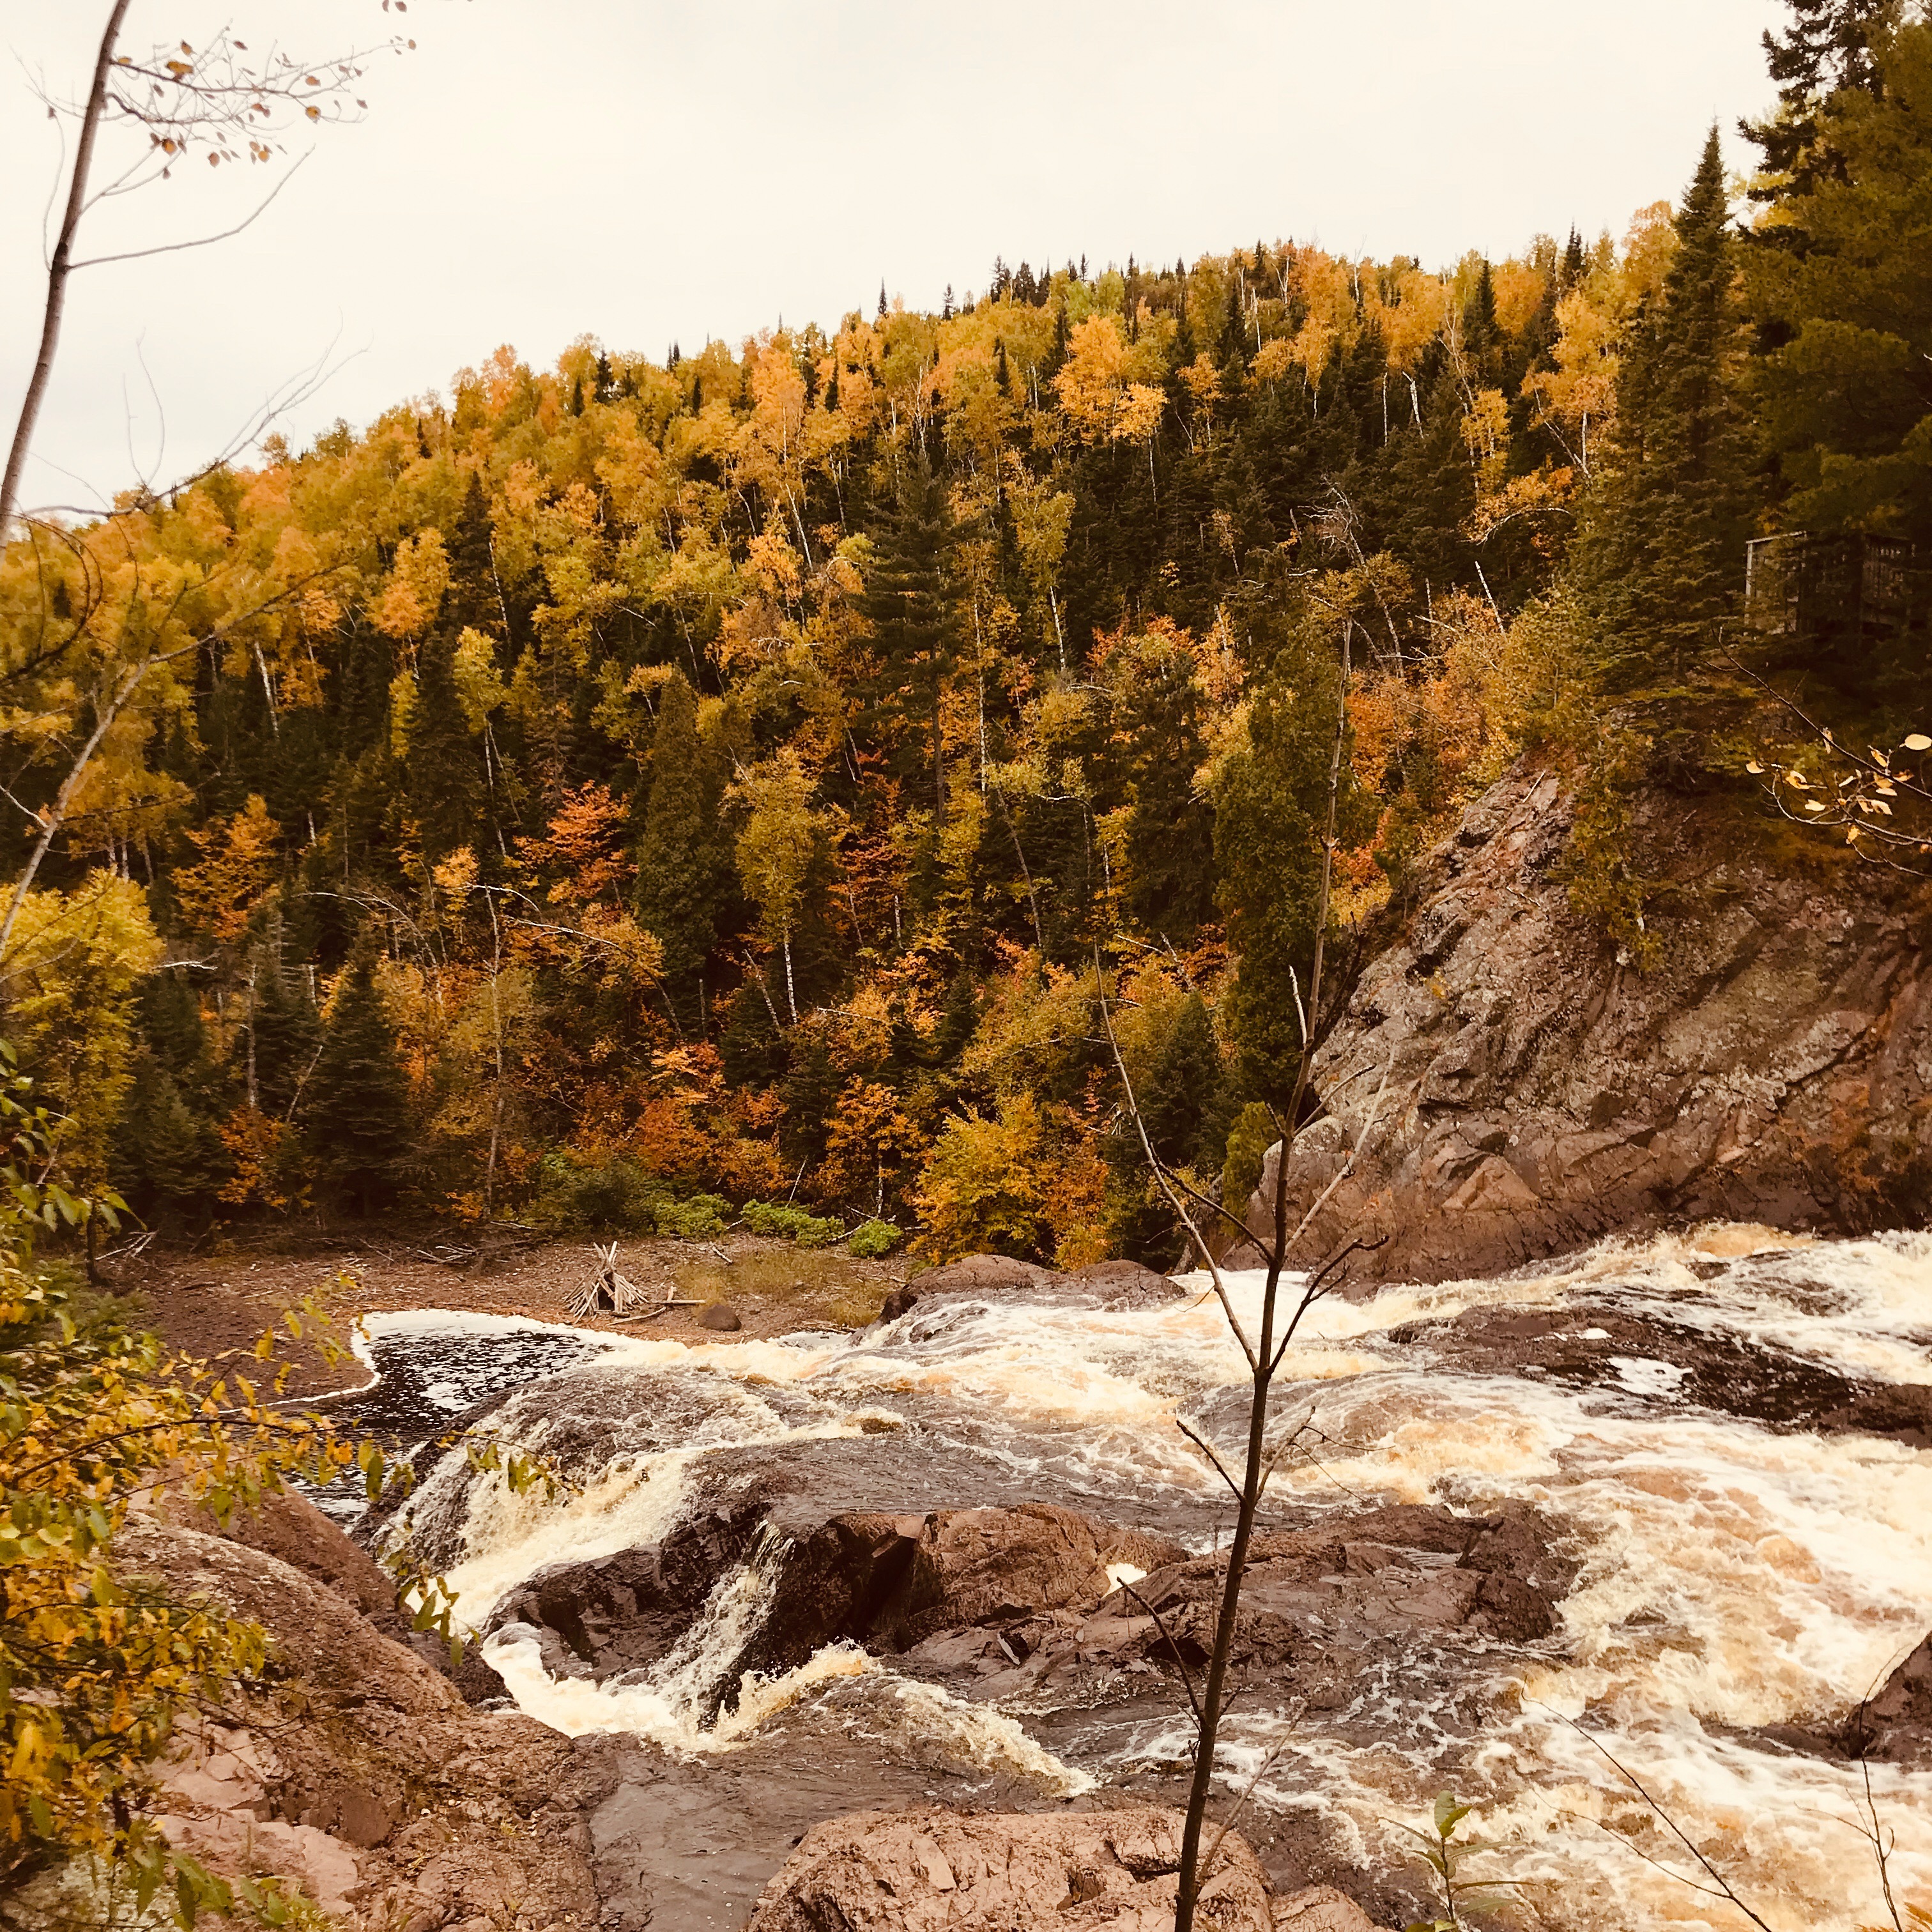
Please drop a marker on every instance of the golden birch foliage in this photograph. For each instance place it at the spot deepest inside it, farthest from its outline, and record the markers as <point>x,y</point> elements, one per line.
<point>1648,251</point>
<point>1576,401</point>
<point>1415,318</point>
<point>1092,385</point>
<point>984,1189</point>
<point>237,864</point>
<point>480,688</point>
<point>73,971</point>
<point>774,844</point>
<point>407,604</point>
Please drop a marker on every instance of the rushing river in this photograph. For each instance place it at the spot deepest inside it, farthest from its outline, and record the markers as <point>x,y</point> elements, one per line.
<point>1738,1573</point>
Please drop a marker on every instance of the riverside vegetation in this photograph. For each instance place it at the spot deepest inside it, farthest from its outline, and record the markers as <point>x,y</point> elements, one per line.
<point>899,778</point>
<point>714,774</point>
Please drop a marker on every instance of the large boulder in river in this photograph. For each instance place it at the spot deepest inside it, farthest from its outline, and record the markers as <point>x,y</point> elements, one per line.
<point>1325,1609</point>
<point>1109,1286</point>
<point>1531,1089</point>
<point>1896,1725</point>
<point>870,1577</point>
<point>931,1870</point>
<point>984,1566</point>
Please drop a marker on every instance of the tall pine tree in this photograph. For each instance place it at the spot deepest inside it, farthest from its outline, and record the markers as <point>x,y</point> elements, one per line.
<point>356,1112</point>
<point>684,866</point>
<point>907,599</point>
<point>1662,552</point>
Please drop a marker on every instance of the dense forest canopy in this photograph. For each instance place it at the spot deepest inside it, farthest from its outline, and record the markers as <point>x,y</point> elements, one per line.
<point>738,774</point>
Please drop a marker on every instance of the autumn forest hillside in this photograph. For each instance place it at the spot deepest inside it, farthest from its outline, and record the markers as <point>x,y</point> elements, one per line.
<point>604,795</point>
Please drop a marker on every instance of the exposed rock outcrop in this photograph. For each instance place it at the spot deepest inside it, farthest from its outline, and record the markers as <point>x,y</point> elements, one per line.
<point>1896,1725</point>
<point>1321,1607</point>
<point>356,1771</point>
<point>1773,1063</point>
<point>1101,1285</point>
<point>879,1579</point>
<point>927,1869</point>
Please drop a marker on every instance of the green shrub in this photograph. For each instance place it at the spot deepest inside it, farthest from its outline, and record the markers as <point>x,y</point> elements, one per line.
<point>1249,1140</point>
<point>794,1224</point>
<point>872,1241</point>
<point>613,1196</point>
<point>698,1219</point>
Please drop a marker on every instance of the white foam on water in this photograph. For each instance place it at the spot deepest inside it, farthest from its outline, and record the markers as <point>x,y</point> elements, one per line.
<point>1731,1577</point>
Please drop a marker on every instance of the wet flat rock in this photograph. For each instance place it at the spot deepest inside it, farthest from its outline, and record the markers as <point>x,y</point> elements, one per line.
<point>1321,1607</point>
<point>1590,1346</point>
<point>884,1579</point>
<point>1108,1286</point>
<point>929,1868</point>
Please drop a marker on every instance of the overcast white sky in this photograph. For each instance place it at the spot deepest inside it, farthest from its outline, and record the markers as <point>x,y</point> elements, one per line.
<point>643,171</point>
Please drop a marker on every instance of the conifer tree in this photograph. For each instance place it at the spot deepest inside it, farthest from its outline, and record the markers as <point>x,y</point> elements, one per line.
<point>1268,810</point>
<point>906,599</point>
<point>1830,44</point>
<point>1662,553</point>
<point>683,864</point>
<point>1170,838</point>
<point>445,774</point>
<point>472,596</point>
<point>1844,401</point>
<point>357,1111</point>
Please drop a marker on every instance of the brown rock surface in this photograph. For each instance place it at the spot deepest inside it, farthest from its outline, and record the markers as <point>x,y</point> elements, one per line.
<point>973,1566</point>
<point>1106,1285</point>
<point>921,1869</point>
<point>1320,1908</point>
<point>865,1576</point>
<point>1322,1608</point>
<point>1773,1065</point>
<point>356,1769</point>
<point>1896,1725</point>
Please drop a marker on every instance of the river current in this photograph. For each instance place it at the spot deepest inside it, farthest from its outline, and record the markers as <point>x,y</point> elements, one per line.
<point>1740,1577</point>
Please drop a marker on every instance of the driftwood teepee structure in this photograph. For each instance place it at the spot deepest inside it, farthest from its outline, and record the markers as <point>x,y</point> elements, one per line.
<point>606,1292</point>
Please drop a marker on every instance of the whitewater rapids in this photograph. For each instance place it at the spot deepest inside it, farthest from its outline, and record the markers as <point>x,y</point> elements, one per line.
<point>1736,1576</point>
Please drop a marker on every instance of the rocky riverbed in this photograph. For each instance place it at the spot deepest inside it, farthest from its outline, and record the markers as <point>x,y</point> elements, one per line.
<point>1668,1501</point>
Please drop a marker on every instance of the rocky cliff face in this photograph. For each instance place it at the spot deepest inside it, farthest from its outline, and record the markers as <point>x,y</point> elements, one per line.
<point>1774,1064</point>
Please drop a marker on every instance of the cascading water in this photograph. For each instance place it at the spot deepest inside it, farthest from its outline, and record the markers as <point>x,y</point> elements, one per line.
<point>1741,1573</point>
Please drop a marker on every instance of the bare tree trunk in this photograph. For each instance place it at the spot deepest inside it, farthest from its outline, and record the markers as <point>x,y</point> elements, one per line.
<point>56,814</point>
<point>58,267</point>
<point>1265,1354</point>
<point>497,1093</point>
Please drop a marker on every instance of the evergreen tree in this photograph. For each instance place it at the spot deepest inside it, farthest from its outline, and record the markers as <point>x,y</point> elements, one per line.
<point>1268,814</point>
<point>287,1030</point>
<point>1479,314</point>
<point>445,773</point>
<point>1844,403</point>
<point>907,601</point>
<point>1183,1097</point>
<point>684,867</point>
<point>1661,555</point>
<point>357,1110</point>
<point>1170,841</point>
<point>1573,262</point>
<point>168,1159</point>
<point>472,596</point>
<point>1830,45</point>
